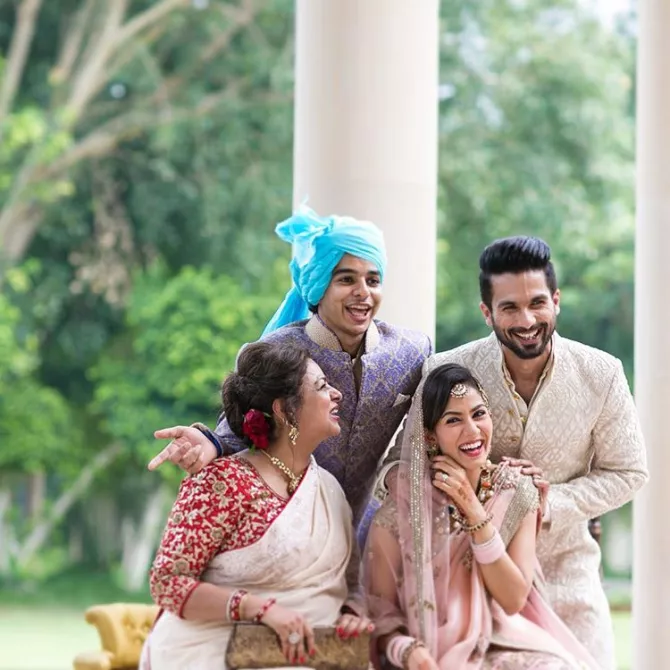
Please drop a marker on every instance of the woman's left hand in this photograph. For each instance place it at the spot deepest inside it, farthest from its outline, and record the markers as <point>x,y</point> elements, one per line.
<point>350,625</point>
<point>450,478</point>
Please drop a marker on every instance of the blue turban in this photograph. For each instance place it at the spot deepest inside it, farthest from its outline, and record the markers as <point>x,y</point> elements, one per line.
<point>318,246</point>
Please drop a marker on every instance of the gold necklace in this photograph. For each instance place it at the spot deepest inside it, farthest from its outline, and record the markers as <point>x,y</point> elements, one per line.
<point>293,479</point>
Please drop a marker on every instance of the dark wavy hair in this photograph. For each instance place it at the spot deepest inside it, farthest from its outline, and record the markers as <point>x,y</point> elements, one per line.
<point>514,255</point>
<point>437,390</point>
<point>265,372</point>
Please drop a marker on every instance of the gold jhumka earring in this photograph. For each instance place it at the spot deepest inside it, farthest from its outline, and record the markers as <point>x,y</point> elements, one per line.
<point>293,434</point>
<point>433,448</point>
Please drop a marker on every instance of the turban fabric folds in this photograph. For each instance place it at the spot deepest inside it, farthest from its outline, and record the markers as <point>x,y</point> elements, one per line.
<point>318,246</point>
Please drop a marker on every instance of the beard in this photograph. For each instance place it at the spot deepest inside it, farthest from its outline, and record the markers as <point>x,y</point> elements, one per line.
<point>525,351</point>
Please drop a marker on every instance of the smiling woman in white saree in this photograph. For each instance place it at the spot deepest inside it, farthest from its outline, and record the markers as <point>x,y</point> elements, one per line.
<point>264,536</point>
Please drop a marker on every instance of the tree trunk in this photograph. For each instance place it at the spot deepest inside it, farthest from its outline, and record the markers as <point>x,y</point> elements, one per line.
<point>75,545</point>
<point>18,223</point>
<point>139,540</point>
<point>40,534</point>
<point>22,38</point>
<point>5,529</point>
<point>37,482</point>
<point>102,524</point>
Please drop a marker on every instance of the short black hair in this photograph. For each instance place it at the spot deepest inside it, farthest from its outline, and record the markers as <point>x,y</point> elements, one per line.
<point>514,255</point>
<point>437,390</point>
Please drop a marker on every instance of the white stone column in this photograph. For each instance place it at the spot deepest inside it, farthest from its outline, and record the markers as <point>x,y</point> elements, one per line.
<point>366,132</point>
<point>651,567</point>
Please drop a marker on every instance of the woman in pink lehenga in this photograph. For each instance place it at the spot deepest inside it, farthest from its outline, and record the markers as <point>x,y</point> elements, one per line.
<point>452,576</point>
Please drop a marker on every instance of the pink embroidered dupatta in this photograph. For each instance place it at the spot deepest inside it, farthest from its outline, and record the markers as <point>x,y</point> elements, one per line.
<point>421,579</point>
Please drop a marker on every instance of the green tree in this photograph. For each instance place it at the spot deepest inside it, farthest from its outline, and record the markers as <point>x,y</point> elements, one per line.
<point>118,71</point>
<point>183,334</point>
<point>146,152</point>
<point>27,407</point>
<point>39,433</point>
<point>137,132</point>
<point>536,138</point>
<point>176,178</point>
<point>182,338</point>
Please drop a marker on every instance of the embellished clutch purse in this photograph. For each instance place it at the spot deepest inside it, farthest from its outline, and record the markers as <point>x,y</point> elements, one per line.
<point>256,646</point>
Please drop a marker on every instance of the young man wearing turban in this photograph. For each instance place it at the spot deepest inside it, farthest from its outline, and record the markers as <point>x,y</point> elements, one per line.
<point>338,269</point>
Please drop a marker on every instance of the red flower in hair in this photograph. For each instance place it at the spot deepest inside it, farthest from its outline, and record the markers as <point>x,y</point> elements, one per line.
<point>256,427</point>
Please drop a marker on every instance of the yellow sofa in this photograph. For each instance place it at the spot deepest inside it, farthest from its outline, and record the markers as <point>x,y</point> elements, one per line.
<point>122,628</point>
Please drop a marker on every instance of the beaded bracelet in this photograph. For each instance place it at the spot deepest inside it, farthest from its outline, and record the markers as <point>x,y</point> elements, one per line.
<point>478,526</point>
<point>396,648</point>
<point>404,659</point>
<point>262,611</point>
<point>233,607</point>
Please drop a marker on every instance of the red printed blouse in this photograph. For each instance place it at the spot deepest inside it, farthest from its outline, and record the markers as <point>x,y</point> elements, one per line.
<point>226,506</point>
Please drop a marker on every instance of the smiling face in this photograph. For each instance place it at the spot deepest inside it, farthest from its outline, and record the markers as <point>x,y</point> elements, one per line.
<point>523,312</point>
<point>464,429</point>
<point>318,414</point>
<point>351,299</point>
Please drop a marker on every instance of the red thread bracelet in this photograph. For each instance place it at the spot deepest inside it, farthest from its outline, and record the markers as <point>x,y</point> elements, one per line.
<point>263,610</point>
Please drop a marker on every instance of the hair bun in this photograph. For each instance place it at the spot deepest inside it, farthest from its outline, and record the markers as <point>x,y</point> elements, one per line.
<point>265,372</point>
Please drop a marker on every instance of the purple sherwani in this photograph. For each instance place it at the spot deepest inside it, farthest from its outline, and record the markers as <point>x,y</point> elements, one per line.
<point>389,371</point>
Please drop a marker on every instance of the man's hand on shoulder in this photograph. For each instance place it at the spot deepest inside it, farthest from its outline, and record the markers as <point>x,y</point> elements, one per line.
<point>189,449</point>
<point>540,481</point>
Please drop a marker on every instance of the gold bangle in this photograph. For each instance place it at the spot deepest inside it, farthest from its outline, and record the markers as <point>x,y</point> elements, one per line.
<point>404,659</point>
<point>478,526</point>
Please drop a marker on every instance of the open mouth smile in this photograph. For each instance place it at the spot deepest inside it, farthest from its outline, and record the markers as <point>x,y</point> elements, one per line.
<point>359,313</point>
<point>529,337</point>
<point>472,449</point>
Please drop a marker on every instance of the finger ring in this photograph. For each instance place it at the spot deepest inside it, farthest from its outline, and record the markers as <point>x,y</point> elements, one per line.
<point>444,476</point>
<point>294,638</point>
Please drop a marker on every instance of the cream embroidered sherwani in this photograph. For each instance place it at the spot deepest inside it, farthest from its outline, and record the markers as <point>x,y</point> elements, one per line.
<point>582,429</point>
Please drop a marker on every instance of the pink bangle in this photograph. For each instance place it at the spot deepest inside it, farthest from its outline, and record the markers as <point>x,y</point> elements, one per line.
<point>490,551</point>
<point>396,649</point>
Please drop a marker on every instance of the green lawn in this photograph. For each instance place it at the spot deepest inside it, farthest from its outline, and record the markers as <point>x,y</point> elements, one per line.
<point>42,624</point>
<point>43,638</point>
<point>623,637</point>
<point>47,638</point>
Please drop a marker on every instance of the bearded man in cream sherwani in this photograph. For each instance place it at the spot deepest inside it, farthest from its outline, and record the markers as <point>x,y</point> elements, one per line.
<point>565,407</point>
